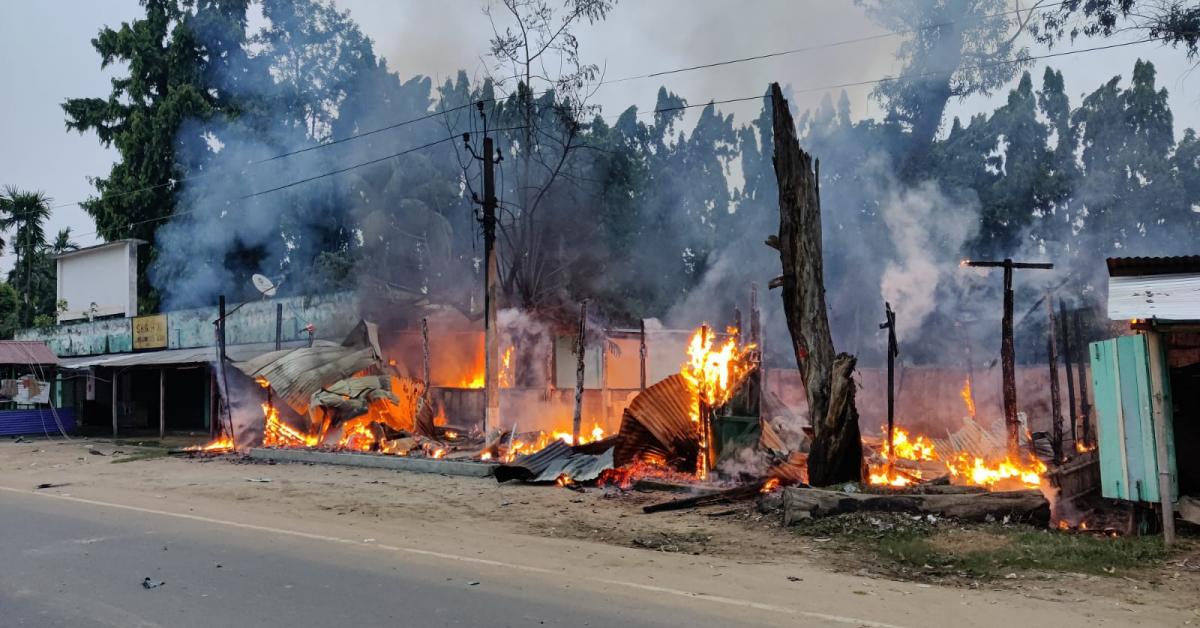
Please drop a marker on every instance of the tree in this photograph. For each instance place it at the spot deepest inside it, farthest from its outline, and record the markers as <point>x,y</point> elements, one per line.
<point>1176,22</point>
<point>165,87</point>
<point>537,39</point>
<point>950,52</point>
<point>26,213</point>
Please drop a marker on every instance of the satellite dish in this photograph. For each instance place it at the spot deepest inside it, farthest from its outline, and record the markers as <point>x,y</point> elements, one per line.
<point>264,285</point>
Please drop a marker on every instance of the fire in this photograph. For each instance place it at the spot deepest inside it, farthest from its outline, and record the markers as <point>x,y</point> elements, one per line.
<point>713,372</point>
<point>880,475</point>
<point>506,373</point>
<point>473,381</point>
<point>222,444</point>
<point>520,447</point>
<point>356,436</point>
<point>769,486</point>
<point>968,398</point>
<point>919,448</point>
<point>974,470</point>
<point>1083,447</point>
<point>276,433</point>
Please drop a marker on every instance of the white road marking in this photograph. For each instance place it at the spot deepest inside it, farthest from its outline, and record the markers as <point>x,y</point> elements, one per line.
<point>784,610</point>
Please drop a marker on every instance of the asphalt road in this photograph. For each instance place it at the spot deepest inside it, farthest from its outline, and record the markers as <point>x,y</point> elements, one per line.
<point>68,563</point>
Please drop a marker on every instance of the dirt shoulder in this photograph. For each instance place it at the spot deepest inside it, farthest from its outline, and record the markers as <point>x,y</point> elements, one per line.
<point>447,512</point>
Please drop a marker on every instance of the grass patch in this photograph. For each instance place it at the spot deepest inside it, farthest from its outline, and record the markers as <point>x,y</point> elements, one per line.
<point>144,454</point>
<point>922,545</point>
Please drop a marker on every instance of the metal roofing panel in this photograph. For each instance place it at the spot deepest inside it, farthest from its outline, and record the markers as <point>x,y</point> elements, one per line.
<point>1165,297</point>
<point>1131,266</point>
<point>556,460</point>
<point>26,352</point>
<point>196,355</point>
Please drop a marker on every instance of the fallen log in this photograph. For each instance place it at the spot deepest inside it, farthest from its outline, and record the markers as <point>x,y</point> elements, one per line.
<point>806,503</point>
<point>747,491</point>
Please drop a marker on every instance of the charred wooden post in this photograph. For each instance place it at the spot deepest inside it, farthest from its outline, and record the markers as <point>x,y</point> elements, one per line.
<point>1068,358</point>
<point>836,454</point>
<point>755,321</point>
<point>580,345</point>
<point>704,421</point>
<point>162,403</point>
<point>1008,351</point>
<point>1085,407</point>
<point>892,351</point>
<point>642,353</point>
<point>425,351</point>
<point>224,388</point>
<point>1056,418</point>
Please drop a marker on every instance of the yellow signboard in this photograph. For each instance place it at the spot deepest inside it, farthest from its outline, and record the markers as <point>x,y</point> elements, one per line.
<point>150,332</point>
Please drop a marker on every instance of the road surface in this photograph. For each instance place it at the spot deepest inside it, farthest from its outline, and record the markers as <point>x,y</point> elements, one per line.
<point>71,563</point>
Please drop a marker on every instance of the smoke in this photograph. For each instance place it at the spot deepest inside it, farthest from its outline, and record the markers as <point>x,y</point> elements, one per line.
<point>927,229</point>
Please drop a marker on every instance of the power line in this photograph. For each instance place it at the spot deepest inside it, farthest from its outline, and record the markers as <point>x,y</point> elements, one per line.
<point>431,115</point>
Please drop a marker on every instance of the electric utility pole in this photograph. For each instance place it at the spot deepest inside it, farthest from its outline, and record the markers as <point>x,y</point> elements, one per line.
<point>491,341</point>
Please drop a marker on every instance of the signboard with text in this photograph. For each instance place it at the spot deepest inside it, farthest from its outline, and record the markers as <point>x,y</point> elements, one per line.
<point>150,332</point>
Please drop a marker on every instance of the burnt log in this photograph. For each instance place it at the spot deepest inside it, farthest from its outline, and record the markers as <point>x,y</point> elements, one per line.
<point>836,454</point>
<point>806,503</point>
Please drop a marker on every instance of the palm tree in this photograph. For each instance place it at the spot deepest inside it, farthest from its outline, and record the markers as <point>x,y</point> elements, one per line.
<point>26,212</point>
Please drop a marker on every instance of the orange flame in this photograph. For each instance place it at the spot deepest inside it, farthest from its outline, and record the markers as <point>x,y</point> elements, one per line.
<point>713,373</point>
<point>992,473</point>
<point>221,444</point>
<point>967,397</point>
<point>919,448</point>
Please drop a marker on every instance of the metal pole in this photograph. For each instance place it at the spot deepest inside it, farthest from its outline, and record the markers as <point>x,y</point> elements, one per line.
<point>491,371</point>
<point>580,349</point>
<point>278,326</point>
<point>162,403</point>
<point>116,374</point>
<point>1056,417</point>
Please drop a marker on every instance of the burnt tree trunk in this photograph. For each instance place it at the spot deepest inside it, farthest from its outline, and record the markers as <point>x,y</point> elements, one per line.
<point>836,454</point>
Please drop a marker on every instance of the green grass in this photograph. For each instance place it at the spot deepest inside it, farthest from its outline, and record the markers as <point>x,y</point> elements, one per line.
<point>982,551</point>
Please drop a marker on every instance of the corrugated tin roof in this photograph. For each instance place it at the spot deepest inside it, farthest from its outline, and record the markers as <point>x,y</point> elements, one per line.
<point>102,245</point>
<point>1132,266</point>
<point>658,421</point>
<point>197,355</point>
<point>1174,297</point>
<point>26,352</point>
<point>556,460</point>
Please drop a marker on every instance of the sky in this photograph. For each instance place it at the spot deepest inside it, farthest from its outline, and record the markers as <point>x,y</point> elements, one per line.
<point>439,38</point>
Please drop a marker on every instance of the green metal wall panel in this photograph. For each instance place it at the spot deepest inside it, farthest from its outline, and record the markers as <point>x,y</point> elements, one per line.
<point>1125,411</point>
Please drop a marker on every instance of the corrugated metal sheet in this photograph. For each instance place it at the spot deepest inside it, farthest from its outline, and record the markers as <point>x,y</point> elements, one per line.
<point>26,352</point>
<point>1173,297</point>
<point>556,460</point>
<point>36,421</point>
<point>1131,266</point>
<point>1125,413</point>
<point>658,422</point>
<point>198,355</point>
<point>296,375</point>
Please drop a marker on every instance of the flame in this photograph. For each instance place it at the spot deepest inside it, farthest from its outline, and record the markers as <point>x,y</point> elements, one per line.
<point>974,470</point>
<point>276,433</point>
<point>713,373</point>
<point>1083,447</point>
<point>769,486</point>
<point>472,381</point>
<point>919,448</point>
<point>521,447</point>
<point>262,381</point>
<point>967,397</point>
<point>881,475</point>
<point>506,373</point>
<point>487,455</point>
<point>221,444</point>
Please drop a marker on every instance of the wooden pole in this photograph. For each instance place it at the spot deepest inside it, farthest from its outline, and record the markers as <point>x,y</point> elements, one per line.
<point>278,326</point>
<point>704,413</point>
<point>892,352</point>
<point>162,403</point>
<point>1158,416</point>
<point>1068,359</point>
<point>1085,407</point>
<point>491,366</point>
<point>580,349</point>
<point>1008,372</point>
<point>425,351</point>
<point>224,387</point>
<point>642,352</point>
<point>1056,417</point>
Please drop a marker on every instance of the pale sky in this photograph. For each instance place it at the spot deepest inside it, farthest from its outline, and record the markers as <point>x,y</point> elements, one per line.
<point>47,57</point>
